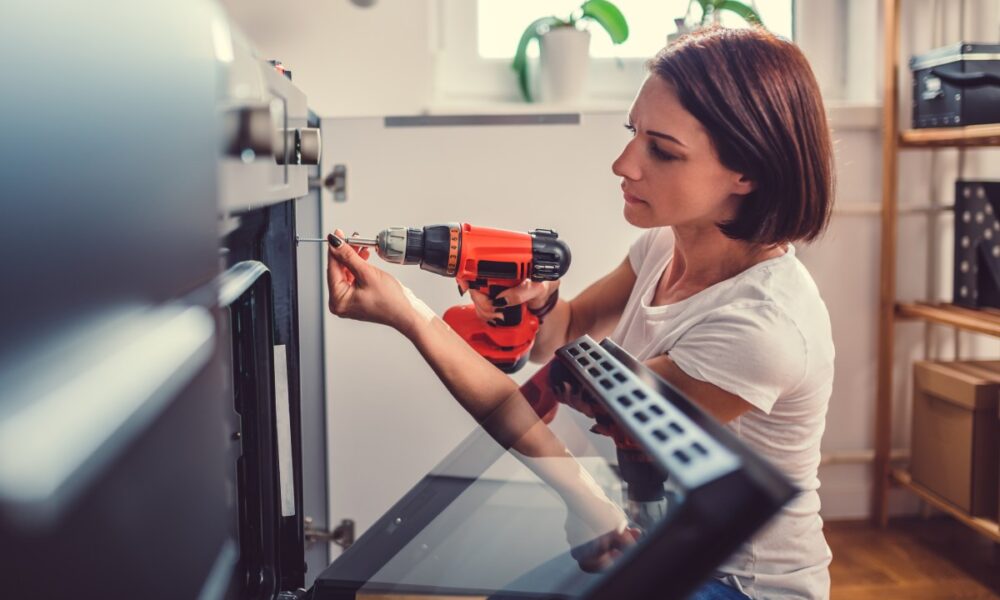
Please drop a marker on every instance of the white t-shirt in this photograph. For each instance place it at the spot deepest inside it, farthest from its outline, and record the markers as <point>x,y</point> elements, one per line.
<point>763,335</point>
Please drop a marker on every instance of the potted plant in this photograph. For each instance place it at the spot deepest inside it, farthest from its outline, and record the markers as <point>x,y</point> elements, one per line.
<point>565,49</point>
<point>711,14</point>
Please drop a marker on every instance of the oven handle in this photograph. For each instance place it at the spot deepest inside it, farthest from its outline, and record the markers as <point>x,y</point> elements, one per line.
<point>238,279</point>
<point>71,408</point>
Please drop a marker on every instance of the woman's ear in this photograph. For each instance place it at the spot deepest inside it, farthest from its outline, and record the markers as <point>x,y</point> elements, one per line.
<point>743,185</point>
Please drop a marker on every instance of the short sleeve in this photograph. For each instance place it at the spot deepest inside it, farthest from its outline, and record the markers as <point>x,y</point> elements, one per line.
<point>643,245</point>
<point>754,351</point>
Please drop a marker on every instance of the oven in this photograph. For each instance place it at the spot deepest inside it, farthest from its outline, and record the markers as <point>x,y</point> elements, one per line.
<point>153,381</point>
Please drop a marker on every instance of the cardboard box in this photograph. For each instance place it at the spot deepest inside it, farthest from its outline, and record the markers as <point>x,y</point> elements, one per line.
<point>955,450</point>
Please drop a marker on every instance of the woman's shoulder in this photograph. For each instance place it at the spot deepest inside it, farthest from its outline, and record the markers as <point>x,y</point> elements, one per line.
<point>782,280</point>
<point>779,287</point>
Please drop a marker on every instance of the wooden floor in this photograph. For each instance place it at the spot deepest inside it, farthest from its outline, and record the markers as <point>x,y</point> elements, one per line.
<point>913,559</point>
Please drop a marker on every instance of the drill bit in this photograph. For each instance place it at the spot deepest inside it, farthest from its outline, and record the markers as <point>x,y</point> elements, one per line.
<point>353,241</point>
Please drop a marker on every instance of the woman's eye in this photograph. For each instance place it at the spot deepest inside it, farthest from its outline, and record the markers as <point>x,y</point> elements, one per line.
<point>658,154</point>
<point>630,127</point>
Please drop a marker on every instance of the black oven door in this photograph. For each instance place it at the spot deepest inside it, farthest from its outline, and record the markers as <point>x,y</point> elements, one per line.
<point>265,455</point>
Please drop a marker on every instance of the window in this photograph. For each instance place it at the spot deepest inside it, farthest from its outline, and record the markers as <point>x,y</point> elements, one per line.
<point>476,41</point>
<point>500,23</point>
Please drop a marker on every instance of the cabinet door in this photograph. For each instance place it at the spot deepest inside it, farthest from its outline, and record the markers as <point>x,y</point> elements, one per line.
<point>390,419</point>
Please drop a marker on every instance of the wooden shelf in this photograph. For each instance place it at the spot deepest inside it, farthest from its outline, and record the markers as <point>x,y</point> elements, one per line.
<point>973,135</point>
<point>980,321</point>
<point>987,527</point>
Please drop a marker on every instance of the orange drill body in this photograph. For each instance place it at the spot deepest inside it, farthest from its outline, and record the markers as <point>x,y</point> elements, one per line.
<point>489,261</point>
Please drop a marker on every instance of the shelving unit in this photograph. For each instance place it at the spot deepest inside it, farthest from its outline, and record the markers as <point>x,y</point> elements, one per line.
<point>979,321</point>
<point>984,526</point>
<point>891,310</point>
<point>971,136</point>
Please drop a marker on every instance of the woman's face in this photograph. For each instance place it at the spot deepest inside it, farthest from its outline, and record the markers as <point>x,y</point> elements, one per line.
<point>671,174</point>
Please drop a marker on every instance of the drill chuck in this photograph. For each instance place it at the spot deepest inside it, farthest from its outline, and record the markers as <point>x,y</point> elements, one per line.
<point>400,245</point>
<point>432,247</point>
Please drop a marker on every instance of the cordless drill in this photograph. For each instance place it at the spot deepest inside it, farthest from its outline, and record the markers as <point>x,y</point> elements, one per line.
<point>486,260</point>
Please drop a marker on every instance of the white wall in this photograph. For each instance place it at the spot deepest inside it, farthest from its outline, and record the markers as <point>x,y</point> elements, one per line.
<point>377,61</point>
<point>349,60</point>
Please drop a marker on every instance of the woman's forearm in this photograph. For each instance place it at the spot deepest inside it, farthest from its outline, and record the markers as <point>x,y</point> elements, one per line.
<point>594,311</point>
<point>477,385</point>
<point>552,333</point>
<point>497,403</point>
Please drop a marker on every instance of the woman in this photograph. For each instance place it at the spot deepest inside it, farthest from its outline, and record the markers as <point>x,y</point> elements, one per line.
<point>728,165</point>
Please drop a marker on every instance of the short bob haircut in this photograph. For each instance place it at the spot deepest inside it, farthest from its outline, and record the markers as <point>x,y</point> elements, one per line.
<point>757,97</point>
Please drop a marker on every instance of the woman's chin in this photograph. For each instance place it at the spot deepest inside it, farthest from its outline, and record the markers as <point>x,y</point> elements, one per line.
<point>635,215</point>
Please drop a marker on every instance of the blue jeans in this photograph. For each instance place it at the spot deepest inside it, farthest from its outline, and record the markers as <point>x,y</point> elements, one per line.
<point>716,590</point>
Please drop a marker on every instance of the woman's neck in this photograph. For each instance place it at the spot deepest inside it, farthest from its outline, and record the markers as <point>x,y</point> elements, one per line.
<point>704,256</point>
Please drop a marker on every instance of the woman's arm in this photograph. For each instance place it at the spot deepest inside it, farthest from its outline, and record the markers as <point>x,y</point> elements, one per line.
<point>595,311</point>
<point>712,399</point>
<point>364,292</point>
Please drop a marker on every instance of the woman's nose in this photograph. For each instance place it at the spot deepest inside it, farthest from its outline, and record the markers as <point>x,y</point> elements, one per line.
<point>625,165</point>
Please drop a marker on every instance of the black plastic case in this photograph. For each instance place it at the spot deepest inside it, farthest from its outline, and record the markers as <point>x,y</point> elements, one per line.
<point>956,85</point>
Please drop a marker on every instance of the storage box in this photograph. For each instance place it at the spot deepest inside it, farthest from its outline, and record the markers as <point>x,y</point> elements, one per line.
<point>976,280</point>
<point>954,448</point>
<point>956,85</point>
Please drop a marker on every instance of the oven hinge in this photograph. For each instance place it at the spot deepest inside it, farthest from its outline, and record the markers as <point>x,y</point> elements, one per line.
<point>342,535</point>
<point>336,182</point>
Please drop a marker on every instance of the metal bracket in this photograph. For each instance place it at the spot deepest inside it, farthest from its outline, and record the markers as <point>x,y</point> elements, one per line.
<point>342,535</point>
<point>336,182</point>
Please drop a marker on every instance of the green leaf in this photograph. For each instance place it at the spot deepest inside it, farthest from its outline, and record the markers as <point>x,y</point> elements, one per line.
<point>520,64</point>
<point>747,12</point>
<point>607,16</point>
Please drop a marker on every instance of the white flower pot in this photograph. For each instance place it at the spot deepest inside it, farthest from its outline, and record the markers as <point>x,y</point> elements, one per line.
<point>563,63</point>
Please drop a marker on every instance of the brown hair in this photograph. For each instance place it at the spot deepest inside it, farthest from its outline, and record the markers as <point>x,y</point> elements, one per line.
<point>756,95</point>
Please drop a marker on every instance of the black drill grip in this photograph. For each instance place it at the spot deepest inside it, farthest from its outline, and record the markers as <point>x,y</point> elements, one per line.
<point>512,315</point>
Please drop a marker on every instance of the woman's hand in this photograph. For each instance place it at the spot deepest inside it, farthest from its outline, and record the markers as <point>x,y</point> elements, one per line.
<point>532,293</point>
<point>364,292</point>
<point>598,533</point>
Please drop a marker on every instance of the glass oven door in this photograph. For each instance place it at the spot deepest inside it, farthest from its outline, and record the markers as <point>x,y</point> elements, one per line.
<point>595,480</point>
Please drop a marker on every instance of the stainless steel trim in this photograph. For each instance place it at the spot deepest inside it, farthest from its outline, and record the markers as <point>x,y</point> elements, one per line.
<point>73,406</point>
<point>289,140</point>
<point>238,279</point>
<point>936,62</point>
<point>310,146</point>
<point>248,128</point>
<point>481,120</point>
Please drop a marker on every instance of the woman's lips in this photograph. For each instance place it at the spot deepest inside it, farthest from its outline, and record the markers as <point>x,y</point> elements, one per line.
<point>630,199</point>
